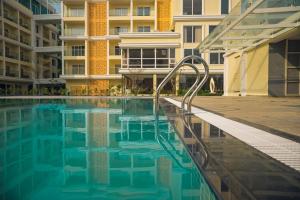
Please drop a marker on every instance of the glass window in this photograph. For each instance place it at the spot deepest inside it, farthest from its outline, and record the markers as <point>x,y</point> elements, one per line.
<point>117,50</point>
<point>188,52</point>
<point>148,53</point>
<point>78,50</point>
<point>161,53</point>
<point>211,28</point>
<point>134,53</point>
<point>192,7</point>
<point>143,11</point>
<point>187,7</point>
<point>172,53</point>
<point>78,69</point>
<point>192,34</point>
<point>197,7</point>
<point>224,6</point>
<point>216,58</point>
<point>144,29</point>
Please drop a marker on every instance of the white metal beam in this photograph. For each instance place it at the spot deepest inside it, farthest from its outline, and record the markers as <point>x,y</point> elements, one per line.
<point>276,10</point>
<point>266,26</point>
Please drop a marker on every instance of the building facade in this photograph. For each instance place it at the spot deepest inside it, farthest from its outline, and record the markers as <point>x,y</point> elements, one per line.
<point>30,56</point>
<point>133,44</point>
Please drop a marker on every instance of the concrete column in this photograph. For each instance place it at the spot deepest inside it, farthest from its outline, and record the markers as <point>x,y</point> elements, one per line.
<point>177,80</point>
<point>154,83</point>
<point>131,15</point>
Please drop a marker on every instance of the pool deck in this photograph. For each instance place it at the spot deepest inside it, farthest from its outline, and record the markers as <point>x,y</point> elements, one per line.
<point>280,116</point>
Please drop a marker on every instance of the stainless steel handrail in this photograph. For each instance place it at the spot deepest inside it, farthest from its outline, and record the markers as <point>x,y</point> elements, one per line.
<point>180,64</point>
<point>192,90</point>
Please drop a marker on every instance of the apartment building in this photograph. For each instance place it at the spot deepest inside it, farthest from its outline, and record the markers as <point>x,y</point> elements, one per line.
<point>30,55</point>
<point>135,43</point>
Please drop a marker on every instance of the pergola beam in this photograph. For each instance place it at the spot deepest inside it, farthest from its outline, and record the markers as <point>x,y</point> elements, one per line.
<point>266,26</point>
<point>276,10</point>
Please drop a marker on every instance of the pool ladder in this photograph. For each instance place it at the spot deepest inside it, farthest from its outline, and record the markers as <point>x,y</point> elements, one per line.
<point>192,92</point>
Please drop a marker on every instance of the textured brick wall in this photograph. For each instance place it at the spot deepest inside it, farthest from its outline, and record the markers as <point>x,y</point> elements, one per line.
<point>163,15</point>
<point>97,57</point>
<point>97,19</point>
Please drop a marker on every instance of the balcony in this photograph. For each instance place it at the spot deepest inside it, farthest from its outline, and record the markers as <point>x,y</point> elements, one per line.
<point>24,58</point>
<point>75,12</point>
<point>75,53</point>
<point>25,74</point>
<point>74,32</point>
<point>75,69</point>
<point>10,35</point>
<point>10,17</point>
<point>119,14</point>
<point>10,72</point>
<point>11,55</point>
<point>118,30</point>
<point>24,40</point>
<point>24,24</point>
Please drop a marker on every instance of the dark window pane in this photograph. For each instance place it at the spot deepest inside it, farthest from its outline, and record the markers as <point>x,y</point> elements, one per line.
<point>214,58</point>
<point>211,28</point>
<point>148,62</point>
<point>135,61</point>
<point>187,7</point>
<point>222,58</point>
<point>188,52</point>
<point>197,8</point>
<point>172,53</point>
<point>162,61</point>
<point>293,74</point>
<point>293,88</point>
<point>294,60</point>
<point>197,53</point>
<point>188,34</point>
<point>134,53</point>
<point>148,53</point>
<point>161,53</point>
<point>224,6</point>
<point>294,46</point>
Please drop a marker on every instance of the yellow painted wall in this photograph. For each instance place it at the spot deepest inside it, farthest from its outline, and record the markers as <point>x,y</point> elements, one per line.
<point>233,73</point>
<point>163,15</point>
<point>257,71</point>
<point>212,7</point>
<point>97,19</point>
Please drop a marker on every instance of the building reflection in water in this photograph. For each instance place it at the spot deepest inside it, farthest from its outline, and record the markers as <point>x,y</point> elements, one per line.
<point>92,148</point>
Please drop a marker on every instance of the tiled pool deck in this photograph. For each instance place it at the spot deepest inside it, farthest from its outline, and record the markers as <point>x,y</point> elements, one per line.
<point>276,115</point>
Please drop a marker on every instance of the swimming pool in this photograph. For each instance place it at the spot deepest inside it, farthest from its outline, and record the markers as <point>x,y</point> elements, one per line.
<point>93,149</point>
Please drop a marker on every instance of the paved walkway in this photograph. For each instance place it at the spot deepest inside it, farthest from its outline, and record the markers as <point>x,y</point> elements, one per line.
<point>276,115</point>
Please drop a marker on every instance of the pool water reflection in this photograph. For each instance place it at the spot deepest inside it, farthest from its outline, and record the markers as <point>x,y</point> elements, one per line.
<point>93,149</point>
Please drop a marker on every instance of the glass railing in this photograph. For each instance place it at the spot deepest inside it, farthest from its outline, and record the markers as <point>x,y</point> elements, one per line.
<point>75,12</point>
<point>74,32</point>
<point>119,12</point>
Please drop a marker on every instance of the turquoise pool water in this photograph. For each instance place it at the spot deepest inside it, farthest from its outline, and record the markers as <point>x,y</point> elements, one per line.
<point>93,149</point>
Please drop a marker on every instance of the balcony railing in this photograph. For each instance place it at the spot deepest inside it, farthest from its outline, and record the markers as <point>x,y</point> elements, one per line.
<point>24,40</point>
<point>11,55</point>
<point>24,24</point>
<point>11,73</point>
<point>11,35</point>
<point>118,30</point>
<point>10,17</point>
<point>74,32</point>
<point>119,12</point>
<point>74,52</point>
<point>24,58</point>
<point>75,12</point>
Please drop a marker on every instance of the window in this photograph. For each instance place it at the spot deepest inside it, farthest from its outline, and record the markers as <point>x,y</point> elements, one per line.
<point>149,58</point>
<point>188,52</point>
<point>121,12</point>
<point>144,29</point>
<point>192,34</point>
<point>78,50</point>
<point>224,7</point>
<point>120,30</point>
<point>78,69</point>
<point>211,28</point>
<point>216,58</point>
<point>192,7</point>
<point>143,11</point>
<point>117,50</point>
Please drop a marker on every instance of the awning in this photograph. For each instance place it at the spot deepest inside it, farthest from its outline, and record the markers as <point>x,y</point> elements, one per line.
<point>251,23</point>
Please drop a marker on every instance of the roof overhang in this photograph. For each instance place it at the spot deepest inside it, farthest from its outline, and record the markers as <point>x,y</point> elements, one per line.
<point>250,25</point>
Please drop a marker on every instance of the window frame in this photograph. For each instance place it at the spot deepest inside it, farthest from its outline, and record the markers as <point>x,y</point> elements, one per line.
<point>192,8</point>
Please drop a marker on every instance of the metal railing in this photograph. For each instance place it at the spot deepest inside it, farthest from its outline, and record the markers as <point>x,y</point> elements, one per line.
<point>193,90</point>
